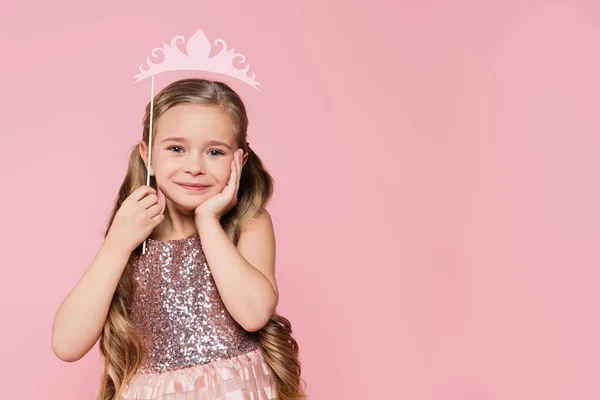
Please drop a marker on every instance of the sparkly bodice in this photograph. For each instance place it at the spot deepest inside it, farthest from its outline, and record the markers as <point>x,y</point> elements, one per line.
<point>177,310</point>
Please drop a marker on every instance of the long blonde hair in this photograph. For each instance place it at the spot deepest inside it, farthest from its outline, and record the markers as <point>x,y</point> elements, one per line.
<point>121,349</point>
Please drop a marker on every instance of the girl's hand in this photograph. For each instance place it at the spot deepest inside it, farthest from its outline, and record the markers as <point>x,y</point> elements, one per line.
<point>135,220</point>
<point>219,204</point>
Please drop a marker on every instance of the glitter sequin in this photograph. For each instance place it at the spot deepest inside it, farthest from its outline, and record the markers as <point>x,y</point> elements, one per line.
<point>177,310</point>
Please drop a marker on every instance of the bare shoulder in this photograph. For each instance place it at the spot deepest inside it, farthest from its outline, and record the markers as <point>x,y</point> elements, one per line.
<point>261,221</point>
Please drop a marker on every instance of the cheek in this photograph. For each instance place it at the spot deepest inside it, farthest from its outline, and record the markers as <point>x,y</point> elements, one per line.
<point>223,173</point>
<point>166,168</point>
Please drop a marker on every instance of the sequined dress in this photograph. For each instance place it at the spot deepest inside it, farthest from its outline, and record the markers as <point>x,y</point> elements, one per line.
<point>195,349</point>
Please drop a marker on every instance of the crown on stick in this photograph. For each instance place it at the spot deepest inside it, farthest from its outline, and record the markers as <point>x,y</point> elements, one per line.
<point>197,59</point>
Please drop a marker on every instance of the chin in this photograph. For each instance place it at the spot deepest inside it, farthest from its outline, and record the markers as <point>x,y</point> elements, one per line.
<point>187,202</point>
<point>190,203</point>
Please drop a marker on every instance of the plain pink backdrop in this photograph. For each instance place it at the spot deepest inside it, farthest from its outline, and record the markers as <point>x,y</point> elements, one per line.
<point>436,166</point>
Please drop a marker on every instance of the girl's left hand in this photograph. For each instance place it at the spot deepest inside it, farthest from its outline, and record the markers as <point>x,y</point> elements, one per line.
<point>219,204</point>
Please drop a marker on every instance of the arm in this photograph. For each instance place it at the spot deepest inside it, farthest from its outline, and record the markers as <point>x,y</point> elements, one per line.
<point>80,318</point>
<point>244,275</point>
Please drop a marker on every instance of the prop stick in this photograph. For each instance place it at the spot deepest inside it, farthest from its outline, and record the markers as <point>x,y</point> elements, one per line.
<point>149,146</point>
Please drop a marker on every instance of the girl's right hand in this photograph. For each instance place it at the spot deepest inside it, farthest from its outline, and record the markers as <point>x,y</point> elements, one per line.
<point>137,217</point>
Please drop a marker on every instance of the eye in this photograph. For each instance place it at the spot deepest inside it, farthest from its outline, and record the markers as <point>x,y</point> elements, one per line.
<point>174,147</point>
<point>219,152</point>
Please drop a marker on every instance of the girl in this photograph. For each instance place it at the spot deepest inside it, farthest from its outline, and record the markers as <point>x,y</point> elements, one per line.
<point>194,317</point>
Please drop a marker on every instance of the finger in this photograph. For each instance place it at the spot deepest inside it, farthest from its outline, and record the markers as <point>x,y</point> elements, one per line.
<point>228,193</point>
<point>238,178</point>
<point>157,219</point>
<point>229,190</point>
<point>232,174</point>
<point>141,192</point>
<point>154,210</point>
<point>148,201</point>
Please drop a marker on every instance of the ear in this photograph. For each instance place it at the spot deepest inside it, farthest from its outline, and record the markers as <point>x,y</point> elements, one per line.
<point>144,153</point>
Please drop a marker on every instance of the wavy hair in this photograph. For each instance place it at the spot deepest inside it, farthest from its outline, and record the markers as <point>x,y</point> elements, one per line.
<point>120,348</point>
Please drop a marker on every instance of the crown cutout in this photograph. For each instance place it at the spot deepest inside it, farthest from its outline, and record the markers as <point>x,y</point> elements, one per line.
<point>197,59</point>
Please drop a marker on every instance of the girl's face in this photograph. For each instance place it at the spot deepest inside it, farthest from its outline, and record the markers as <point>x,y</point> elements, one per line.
<point>193,145</point>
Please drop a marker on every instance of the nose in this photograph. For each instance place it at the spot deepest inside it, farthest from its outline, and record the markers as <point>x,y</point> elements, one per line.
<point>194,163</point>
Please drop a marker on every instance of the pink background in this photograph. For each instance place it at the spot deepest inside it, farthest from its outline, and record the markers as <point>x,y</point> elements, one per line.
<point>436,169</point>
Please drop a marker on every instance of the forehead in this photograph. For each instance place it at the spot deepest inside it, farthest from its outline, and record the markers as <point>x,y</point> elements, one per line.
<point>195,122</point>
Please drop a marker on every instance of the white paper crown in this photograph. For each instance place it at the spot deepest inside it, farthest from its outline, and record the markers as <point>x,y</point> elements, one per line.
<point>197,59</point>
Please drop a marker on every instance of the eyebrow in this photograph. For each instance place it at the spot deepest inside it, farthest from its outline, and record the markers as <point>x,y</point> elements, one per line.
<point>210,142</point>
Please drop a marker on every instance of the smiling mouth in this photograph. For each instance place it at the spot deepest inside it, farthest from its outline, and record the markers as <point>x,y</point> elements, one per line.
<point>195,188</point>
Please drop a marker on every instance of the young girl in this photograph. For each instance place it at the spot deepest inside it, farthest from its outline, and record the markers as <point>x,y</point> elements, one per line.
<point>194,317</point>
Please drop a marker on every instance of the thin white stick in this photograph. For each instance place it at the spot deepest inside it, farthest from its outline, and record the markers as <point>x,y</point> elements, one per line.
<point>150,145</point>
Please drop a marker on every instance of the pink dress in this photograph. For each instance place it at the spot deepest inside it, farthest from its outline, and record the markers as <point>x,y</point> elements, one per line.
<point>195,349</point>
